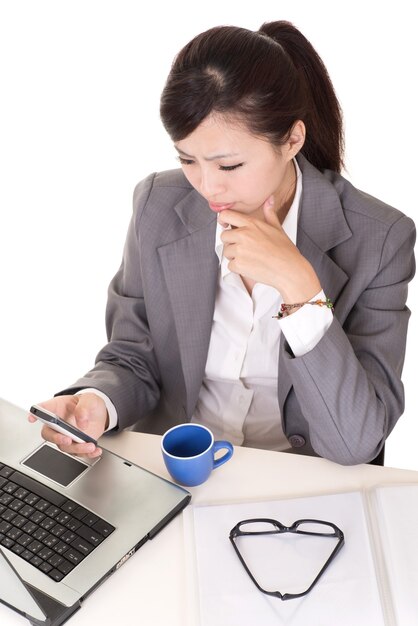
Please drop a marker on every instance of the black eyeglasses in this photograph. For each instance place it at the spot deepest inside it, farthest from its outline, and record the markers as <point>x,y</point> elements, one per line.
<point>264,526</point>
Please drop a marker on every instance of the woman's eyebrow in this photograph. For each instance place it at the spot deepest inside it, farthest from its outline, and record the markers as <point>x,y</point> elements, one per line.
<point>211,158</point>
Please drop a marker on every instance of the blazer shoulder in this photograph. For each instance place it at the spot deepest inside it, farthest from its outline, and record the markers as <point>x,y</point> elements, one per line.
<point>172,178</point>
<point>363,204</point>
<point>166,179</point>
<point>169,185</point>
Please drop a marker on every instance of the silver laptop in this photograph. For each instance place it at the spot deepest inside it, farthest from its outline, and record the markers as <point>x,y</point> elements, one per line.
<point>65,524</point>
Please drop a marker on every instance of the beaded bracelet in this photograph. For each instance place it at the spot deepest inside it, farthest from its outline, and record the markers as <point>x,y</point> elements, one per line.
<point>286,308</point>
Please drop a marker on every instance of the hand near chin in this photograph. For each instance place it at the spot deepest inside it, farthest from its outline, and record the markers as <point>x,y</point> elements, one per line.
<point>259,249</point>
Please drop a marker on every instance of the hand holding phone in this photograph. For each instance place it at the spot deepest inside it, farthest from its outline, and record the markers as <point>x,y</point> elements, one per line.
<point>56,423</point>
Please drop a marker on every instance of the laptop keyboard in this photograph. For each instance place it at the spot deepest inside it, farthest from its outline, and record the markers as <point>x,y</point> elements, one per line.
<point>44,527</point>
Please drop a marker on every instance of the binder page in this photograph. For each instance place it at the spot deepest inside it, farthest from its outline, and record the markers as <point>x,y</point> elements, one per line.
<point>396,510</point>
<point>222,593</point>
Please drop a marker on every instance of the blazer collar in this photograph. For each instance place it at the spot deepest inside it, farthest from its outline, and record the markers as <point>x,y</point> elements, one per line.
<point>321,215</point>
<point>194,212</point>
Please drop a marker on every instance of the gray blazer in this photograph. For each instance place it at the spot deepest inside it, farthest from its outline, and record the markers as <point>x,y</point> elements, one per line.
<point>341,400</point>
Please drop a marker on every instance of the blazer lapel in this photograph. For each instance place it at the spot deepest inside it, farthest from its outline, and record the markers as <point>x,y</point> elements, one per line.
<point>321,227</point>
<point>190,269</point>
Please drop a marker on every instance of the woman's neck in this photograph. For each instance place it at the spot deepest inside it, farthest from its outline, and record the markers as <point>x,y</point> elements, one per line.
<point>285,194</point>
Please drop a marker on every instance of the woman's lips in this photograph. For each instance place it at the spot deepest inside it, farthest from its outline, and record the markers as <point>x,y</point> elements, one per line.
<point>218,206</point>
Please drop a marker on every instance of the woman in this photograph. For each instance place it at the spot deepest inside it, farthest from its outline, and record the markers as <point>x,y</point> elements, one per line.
<point>260,293</point>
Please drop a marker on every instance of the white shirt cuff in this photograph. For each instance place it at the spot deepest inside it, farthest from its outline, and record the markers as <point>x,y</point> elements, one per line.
<point>305,327</point>
<point>111,410</point>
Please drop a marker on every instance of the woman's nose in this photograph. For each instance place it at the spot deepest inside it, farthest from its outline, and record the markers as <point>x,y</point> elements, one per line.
<point>211,185</point>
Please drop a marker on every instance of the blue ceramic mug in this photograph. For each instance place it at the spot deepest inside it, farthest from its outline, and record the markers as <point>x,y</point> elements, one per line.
<point>189,453</point>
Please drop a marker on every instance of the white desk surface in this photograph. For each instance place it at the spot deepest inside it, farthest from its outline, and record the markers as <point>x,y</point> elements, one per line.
<point>150,588</point>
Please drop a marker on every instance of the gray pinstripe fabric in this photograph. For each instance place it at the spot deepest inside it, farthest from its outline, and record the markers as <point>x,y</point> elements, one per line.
<point>344,396</point>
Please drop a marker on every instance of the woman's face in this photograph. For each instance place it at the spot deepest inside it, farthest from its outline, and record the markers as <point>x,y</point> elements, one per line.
<point>233,169</point>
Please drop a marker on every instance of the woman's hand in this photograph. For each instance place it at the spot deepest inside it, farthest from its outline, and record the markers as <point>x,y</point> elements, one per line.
<point>260,250</point>
<point>86,411</point>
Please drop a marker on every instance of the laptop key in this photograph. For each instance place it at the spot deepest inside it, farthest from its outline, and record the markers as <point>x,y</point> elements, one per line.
<point>69,506</point>
<point>45,567</point>
<point>35,547</point>
<point>8,515</point>
<point>68,536</point>
<point>36,561</point>
<point>19,521</point>
<point>29,527</point>
<point>90,519</point>
<point>45,553</point>
<point>50,541</point>
<point>55,560</point>
<point>39,489</point>
<point>47,523</point>
<point>103,528</point>
<point>5,527</point>
<point>65,567</point>
<point>21,493</point>
<point>58,530</point>
<point>25,540</point>
<point>6,471</point>
<point>73,556</point>
<point>61,547</point>
<point>14,533</point>
<point>27,510</point>
<point>52,511</point>
<point>80,512</point>
<point>82,546</point>
<point>5,499</point>
<point>37,517</point>
<point>63,518</point>
<point>73,524</point>
<point>31,499</point>
<point>40,534</point>
<point>16,505</point>
<point>9,487</point>
<point>56,575</point>
<point>7,543</point>
<point>42,505</point>
<point>90,535</point>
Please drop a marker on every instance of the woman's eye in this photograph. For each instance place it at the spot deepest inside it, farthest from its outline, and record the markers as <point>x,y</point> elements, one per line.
<point>184,161</point>
<point>229,168</point>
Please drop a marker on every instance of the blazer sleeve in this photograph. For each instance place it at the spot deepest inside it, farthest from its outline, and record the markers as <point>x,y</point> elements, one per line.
<point>349,385</point>
<point>126,369</point>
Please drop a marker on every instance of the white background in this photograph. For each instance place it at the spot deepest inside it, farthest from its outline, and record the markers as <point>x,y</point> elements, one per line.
<point>80,83</point>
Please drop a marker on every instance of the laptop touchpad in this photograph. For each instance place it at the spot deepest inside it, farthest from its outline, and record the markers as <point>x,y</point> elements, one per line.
<point>50,462</point>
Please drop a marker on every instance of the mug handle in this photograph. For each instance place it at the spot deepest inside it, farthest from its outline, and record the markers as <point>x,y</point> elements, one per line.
<point>222,445</point>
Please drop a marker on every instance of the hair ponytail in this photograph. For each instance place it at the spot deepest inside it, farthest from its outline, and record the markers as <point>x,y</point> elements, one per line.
<point>267,79</point>
<point>324,144</point>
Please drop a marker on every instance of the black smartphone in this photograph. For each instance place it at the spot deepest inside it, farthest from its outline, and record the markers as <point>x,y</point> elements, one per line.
<point>55,422</point>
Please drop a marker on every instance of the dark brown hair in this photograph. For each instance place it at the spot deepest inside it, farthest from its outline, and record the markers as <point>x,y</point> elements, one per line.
<point>267,79</point>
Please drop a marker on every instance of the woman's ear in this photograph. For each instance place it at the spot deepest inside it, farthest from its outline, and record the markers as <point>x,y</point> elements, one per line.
<point>295,140</point>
